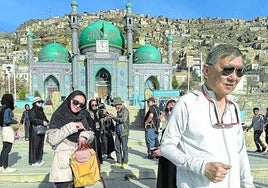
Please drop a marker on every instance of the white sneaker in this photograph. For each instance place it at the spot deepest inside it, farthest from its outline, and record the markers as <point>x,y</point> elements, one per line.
<point>8,170</point>
<point>36,164</point>
<point>41,163</point>
<point>1,168</point>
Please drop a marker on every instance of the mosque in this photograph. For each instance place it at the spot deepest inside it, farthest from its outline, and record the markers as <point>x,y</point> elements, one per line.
<point>102,62</point>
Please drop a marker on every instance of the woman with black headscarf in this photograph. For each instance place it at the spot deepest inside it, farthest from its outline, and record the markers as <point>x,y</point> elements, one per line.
<point>68,129</point>
<point>36,141</point>
<point>7,132</point>
<point>93,118</point>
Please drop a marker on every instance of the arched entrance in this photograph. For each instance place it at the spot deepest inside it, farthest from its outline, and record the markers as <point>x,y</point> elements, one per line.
<point>103,83</point>
<point>150,83</point>
<point>51,85</point>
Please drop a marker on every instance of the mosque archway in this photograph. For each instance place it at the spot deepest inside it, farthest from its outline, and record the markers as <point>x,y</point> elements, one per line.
<point>51,85</point>
<point>103,83</point>
<point>150,83</point>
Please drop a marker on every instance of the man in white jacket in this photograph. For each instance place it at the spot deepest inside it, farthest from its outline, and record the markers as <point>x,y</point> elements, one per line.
<point>204,137</point>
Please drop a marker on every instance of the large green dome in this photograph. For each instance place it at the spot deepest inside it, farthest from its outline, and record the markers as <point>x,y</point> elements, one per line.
<point>101,30</point>
<point>53,52</point>
<point>147,54</point>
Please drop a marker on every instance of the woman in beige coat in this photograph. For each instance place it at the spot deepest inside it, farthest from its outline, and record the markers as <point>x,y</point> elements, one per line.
<point>68,129</point>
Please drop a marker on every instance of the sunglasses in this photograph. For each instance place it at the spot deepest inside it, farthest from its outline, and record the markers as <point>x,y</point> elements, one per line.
<point>94,105</point>
<point>226,71</point>
<point>77,103</point>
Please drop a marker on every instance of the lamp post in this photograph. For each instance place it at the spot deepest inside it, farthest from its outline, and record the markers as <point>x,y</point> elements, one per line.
<point>14,81</point>
<point>8,77</point>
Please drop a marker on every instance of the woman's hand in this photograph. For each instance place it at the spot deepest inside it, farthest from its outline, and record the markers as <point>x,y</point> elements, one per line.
<point>81,140</point>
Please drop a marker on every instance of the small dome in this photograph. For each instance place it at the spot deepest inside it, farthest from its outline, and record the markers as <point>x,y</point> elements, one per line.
<point>147,54</point>
<point>31,34</point>
<point>169,38</point>
<point>129,5</point>
<point>101,30</point>
<point>74,3</point>
<point>54,52</point>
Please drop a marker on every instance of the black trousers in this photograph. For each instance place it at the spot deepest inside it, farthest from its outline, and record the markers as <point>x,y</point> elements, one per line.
<point>7,146</point>
<point>259,144</point>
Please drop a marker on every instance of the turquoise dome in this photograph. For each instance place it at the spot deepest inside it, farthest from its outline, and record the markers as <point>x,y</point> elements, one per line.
<point>101,30</point>
<point>30,34</point>
<point>169,38</point>
<point>74,3</point>
<point>147,54</point>
<point>129,5</point>
<point>54,52</point>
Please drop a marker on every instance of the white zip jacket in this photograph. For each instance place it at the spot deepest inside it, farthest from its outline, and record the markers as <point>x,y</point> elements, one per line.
<point>195,136</point>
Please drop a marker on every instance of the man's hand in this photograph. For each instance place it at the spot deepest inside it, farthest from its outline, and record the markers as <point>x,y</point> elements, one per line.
<point>216,171</point>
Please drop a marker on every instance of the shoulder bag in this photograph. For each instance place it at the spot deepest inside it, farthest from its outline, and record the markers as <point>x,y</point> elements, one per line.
<point>40,129</point>
<point>85,167</point>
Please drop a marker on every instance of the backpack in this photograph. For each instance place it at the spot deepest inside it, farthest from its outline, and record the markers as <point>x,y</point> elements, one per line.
<point>2,111</point>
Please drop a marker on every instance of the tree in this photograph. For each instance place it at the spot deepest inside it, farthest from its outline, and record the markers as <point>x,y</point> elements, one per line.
<point>37,94</point>
<point>21,94</point>
<point>175,83</point>
<point>156,83</point>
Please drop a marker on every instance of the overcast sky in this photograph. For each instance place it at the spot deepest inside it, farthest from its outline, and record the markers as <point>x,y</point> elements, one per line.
<point>15,12</point>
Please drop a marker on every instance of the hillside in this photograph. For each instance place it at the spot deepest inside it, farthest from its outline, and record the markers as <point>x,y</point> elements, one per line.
<point>191,37</point>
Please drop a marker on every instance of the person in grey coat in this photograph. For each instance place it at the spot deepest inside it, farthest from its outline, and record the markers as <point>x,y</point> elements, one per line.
<point>257,123</point>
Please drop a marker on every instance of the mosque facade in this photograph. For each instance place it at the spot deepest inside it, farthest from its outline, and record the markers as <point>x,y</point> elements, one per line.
<point>98,64</point>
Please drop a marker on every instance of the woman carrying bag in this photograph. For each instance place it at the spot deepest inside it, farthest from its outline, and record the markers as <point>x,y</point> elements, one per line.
<point>36,141</point>
<point>68,129</point>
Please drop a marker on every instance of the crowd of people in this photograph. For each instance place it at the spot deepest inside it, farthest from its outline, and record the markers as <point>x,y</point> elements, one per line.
<point>186,150</point>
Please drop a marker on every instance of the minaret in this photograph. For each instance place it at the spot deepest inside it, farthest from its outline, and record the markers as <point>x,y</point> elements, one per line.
<point>30,46</point>
<point>170,50</point>
<point>30,37</point>
<point>129,24</point>
<point>169,55</point>
<point>74,25</point>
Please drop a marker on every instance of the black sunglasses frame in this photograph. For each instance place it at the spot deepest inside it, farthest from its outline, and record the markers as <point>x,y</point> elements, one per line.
<point>76,103</point>
<point>226,71</point>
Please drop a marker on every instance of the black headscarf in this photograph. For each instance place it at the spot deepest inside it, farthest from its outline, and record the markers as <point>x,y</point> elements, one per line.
<point>7,99</point>
<point>64,115</point>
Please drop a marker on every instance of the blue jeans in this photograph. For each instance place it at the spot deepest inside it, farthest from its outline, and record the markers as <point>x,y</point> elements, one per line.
<point>151,138</point>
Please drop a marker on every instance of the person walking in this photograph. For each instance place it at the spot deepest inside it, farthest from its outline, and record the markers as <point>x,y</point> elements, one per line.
<point>36,142</point>
<point>257,123</point>
<point>152,124</point>
<point>26,121</point>
<point>122,133</point>
<point>68,130</point>
<point>8,136</point>
<point>204,137</point>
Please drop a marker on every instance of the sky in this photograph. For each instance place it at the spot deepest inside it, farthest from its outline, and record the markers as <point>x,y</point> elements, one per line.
<point>15,12</point>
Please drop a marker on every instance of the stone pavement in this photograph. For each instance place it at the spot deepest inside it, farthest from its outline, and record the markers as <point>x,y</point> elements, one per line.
<point>144,169</point>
